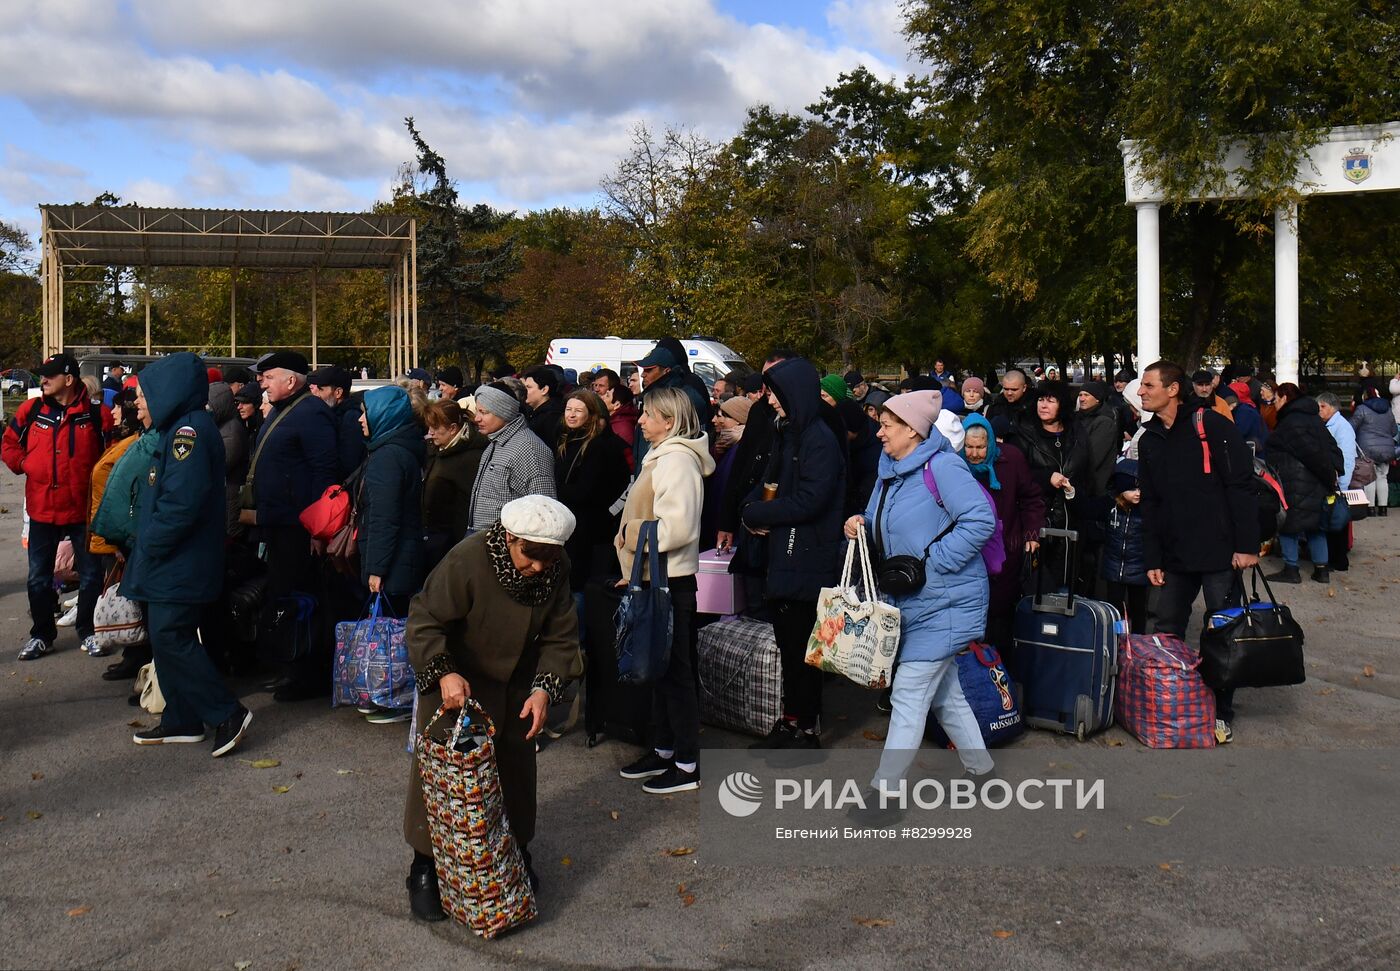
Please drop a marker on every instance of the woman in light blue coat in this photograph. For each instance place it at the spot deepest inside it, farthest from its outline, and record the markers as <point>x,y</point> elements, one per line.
<point>950,611</point>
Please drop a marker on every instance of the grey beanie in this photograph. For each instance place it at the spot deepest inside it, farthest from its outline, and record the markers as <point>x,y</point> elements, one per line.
<point>500,403</point>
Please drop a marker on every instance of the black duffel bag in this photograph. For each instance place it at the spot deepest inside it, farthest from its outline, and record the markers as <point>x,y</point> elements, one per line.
<point>1255,645</point>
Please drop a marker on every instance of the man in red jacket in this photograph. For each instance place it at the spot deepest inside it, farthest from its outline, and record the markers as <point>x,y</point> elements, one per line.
<point>54,441</point>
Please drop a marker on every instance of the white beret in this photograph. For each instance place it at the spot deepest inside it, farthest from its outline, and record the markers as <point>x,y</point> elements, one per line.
<point>538,519</point>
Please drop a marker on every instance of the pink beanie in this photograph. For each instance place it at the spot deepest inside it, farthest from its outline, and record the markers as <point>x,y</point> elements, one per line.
<point>973,384</point>
<point>917,409</point>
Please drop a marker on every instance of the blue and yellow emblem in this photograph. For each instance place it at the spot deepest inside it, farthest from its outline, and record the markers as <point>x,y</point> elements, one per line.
<point>1356,165</point>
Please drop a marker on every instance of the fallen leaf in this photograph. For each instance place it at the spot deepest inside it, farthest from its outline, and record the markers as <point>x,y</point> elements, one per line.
<point>136,723</point>
<point>36,776</point>
<point>1164,866</point>
<point>1081,834</point>
<point>1115,743</point>
<point>1331,592</point>
<point>263,763</point>
<point>281,789</point>
<point>567,861</point>
<point>687,899</point>
<point>79,911</point>
<point>344,771</point>
<point>242,965</point>
<point>873,921</point>
<point>1366,672</point>
<point>1163,820</point>
<point>1003,935</point>
<point>614,814</point>
<point>872,736</point>
<point>680,851</point>
<point>34,814</point>
<point>226,913</point>
<point>1326,691</point>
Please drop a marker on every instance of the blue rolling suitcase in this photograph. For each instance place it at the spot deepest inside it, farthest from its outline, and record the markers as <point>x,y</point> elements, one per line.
<point>1067,648</point>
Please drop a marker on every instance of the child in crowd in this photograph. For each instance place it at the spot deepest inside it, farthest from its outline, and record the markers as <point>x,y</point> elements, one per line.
<point>1121,563</point>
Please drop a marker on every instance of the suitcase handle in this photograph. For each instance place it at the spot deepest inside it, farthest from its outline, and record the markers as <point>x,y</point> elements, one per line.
<point>1057,603</point>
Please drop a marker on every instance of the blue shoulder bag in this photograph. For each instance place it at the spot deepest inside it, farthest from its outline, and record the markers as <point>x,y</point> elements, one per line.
<point>644,617</point>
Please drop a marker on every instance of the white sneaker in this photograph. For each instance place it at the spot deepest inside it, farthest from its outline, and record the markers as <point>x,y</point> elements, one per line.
<point>70,618</point>
<point>71,601</point>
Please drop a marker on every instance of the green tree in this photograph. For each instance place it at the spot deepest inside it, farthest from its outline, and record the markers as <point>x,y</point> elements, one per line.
<point>462,262</point>
<point>19,299</point>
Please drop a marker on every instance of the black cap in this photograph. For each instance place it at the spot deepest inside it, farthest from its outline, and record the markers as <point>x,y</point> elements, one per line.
<point>452,375</point>
<point>658,357</point>
<point>56,365</point>
<point>249,394</point>
<point>287,360</point>
<point>331,376</point>
<point>1125,375</point>
<point>1097,389</point>
<point>1203,377</point>
<point>854,380</point>
<point>238,375</point>
<point>752,382</point>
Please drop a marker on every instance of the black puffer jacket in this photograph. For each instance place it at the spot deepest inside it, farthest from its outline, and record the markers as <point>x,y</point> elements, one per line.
<point>1308,462</point>
<point>809,464</point>
<point>1194,521</point>
<point>1122,558</point>
<point>1102,442</point>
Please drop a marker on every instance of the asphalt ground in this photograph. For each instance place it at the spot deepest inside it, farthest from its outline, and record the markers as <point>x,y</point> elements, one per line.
<point>161,857</point>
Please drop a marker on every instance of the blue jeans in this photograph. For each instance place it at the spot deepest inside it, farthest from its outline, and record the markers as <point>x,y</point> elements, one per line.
<point>921,687</point>
<point>43,550</point>
<point>1317,547</point>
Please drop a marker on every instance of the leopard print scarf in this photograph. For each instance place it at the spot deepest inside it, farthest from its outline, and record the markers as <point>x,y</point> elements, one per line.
<point>529,591</point>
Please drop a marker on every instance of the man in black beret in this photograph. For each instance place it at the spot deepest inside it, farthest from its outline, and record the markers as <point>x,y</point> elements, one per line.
<point>332,385</point>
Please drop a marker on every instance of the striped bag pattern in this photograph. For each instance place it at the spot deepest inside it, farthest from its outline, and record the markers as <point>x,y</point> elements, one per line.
<point>1161,698</point>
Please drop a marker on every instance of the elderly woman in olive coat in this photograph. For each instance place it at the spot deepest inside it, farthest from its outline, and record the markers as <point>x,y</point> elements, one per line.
<point>495,621</point>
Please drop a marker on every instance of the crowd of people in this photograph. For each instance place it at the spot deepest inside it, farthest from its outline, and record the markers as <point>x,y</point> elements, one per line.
<point>484,516</point>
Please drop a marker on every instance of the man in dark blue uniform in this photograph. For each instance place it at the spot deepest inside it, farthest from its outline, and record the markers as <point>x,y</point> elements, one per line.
<point>177,565</point>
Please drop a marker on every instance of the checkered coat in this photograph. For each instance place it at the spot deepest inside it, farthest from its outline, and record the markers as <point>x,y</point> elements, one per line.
<point>515,464</point>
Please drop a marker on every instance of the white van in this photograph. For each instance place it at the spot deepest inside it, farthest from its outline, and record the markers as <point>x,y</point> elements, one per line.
<point>709,359</point>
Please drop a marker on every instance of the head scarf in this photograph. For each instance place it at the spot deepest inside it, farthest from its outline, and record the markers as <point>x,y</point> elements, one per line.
<point>986,468</point>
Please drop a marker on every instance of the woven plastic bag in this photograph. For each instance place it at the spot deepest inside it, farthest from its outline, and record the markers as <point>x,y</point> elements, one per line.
<point>371,661</point>
<point>1161,698</point>
<point>481,872</point>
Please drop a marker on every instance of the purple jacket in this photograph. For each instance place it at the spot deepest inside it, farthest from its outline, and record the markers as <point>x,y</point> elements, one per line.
<point>1021,509</point>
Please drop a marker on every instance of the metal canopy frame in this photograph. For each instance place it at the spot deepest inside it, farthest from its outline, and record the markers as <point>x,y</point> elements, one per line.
<point>79,237</point>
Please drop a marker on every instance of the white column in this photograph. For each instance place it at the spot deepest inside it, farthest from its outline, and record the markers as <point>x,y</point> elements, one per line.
<point>1149,285</point>
<point>1286,293</point>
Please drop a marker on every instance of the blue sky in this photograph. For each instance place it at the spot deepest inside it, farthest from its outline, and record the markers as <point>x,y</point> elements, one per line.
<point>298,104</point>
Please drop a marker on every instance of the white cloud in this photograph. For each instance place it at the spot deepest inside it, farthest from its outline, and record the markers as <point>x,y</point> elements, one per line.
<point>300,104</point>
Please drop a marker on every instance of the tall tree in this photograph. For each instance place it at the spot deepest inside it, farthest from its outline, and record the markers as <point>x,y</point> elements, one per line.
<point>462,262</point>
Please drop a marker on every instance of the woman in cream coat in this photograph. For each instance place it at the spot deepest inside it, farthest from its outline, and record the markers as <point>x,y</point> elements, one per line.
<point>670,489</point>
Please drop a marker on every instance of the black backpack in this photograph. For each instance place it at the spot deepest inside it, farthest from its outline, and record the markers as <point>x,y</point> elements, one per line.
<point>1263,485</point>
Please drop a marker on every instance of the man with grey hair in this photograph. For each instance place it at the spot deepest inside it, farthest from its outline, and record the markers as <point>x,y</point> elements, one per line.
<point>1330,408</point>
<point>294,460</point>
<point>515,464</point>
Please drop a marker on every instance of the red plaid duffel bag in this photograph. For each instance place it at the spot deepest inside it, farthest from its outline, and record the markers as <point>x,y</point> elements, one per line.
<point>1161,698</point>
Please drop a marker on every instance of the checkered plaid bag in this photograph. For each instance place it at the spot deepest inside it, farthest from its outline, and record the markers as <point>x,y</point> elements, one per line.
<point>1161,698</point>
<point>741,677</point>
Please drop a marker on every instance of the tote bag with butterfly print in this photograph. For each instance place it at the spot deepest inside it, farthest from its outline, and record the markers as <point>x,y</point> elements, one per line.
<point>855,638</point>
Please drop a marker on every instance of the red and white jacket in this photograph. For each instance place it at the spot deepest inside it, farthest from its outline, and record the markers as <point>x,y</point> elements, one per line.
<point>55,449</point>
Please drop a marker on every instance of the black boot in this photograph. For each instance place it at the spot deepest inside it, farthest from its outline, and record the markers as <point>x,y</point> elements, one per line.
<point>423,898</point>
<point>1382,510</point>
<point>1289,574</point>
<point>1321,574</point>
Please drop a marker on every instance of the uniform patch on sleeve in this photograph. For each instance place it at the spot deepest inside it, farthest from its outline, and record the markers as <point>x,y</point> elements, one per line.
<point>183,443</point>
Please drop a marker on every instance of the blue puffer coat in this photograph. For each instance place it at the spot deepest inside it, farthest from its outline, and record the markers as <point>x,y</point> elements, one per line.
<point>1375,429</point>
<point>951,610</point>
<point>1123,560</point>
<point>179,552</point>
<point>391,496</point>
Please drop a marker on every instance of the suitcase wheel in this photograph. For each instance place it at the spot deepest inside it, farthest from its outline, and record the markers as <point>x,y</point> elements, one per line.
<point>1082,711</point>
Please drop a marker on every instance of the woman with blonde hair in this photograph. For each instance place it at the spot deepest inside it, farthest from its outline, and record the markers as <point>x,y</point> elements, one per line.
<point>670,489</point>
